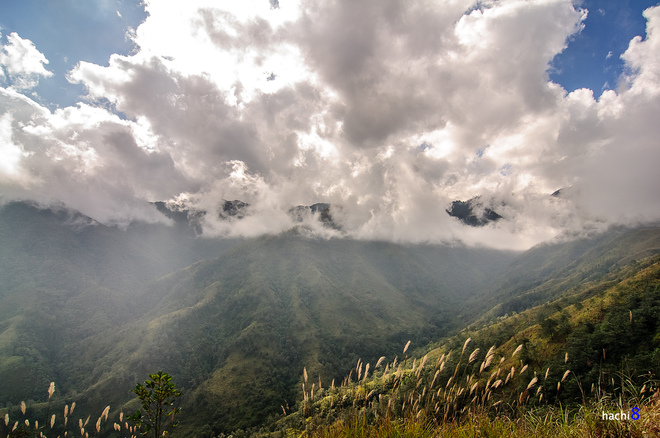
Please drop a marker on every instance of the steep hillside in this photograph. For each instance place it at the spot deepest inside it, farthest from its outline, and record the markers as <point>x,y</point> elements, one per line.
<point>97,308</point>
<point>595,350</point>
<point>237,330</point>
<point>65,277</point>
<point>550,270</point>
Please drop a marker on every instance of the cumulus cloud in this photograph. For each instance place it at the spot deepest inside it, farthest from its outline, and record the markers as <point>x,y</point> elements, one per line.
<point>389,111</point>
<point>23,63</point>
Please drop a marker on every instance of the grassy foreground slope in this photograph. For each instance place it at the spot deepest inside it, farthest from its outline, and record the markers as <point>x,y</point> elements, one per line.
<point>551,370</point>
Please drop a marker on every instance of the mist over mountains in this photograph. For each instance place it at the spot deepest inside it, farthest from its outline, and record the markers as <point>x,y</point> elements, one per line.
<point>96,308</point>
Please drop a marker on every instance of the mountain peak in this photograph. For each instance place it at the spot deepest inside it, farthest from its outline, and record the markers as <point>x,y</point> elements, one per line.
<point>473,212</point>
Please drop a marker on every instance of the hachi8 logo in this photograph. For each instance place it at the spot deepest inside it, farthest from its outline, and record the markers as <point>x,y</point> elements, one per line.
<point>618,416</point>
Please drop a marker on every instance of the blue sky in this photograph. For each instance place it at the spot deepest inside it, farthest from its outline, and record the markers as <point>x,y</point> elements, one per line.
<point>69,31</point>
<point>592,59</point>
<point>329,101</point>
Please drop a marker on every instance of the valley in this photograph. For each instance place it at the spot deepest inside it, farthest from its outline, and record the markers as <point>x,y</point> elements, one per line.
<point>236,321</point>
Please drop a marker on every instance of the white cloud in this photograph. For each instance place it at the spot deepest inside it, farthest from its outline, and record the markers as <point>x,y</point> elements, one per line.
<point>23,63</point>
<point>387,110</point>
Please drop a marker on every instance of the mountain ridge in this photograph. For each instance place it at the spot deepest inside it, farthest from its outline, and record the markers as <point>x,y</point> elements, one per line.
<point>239,320</point>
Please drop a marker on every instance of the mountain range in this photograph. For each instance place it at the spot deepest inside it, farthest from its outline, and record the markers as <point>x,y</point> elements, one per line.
<point>96,308</point>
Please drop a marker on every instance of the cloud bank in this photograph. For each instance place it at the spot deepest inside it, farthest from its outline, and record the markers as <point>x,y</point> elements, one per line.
<point>389,111</point>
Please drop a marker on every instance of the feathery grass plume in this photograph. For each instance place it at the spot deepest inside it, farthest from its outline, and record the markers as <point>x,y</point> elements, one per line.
<point>566,358</point>
<point>489,357</point>
<point>523,369</point>
<point>380,361</point>
<point>52,420</point>
<point>15,426</point>
<point>565,375</point>
<point>490,352</point>
<point>538,390</point>
<point>359,376</point>
<point>87,420</point>
<point>497,383</point>
<point>474,387</point>
<point>517,350</point>
<point>532,383</point>
<point>501,360</point>
<point>305,373</point>
<point>105,413</point>
<point>73,406</point>
<point>473,356</point>
<point>435,376</point>
<point>467,341</point>
<point>366,372</point>
<point>406,347</point>
<point>80,424</point>
<point>121,415</point>
<point>51,389</point>
<point>23,407</point>
<point>546,373</point>
<point>98,425</point>
<point>27,422</point>
<point>6,419</point>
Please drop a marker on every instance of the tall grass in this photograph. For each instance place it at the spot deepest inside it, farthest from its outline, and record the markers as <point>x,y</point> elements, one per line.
<point>24,422</point>
<point>469,393</point>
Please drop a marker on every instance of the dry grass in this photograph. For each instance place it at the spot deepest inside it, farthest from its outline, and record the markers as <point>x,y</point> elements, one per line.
<point>21,424</point>
<point>430,400</point>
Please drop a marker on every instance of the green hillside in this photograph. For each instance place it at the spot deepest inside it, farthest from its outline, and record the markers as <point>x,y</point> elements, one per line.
<point>549,271</point>
<point>518,376</point>
<point>237,330</point>
<point>65,278</point>
<point>97,308</point>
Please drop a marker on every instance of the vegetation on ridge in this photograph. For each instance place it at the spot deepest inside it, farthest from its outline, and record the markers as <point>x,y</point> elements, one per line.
<point>237,329</point>
<point>602,356</point>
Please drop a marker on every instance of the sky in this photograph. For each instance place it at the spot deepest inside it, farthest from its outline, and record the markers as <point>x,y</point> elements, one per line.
<point>387,110</point>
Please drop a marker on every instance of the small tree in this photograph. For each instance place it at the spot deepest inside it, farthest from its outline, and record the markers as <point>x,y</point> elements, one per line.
<point>158,395</point>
